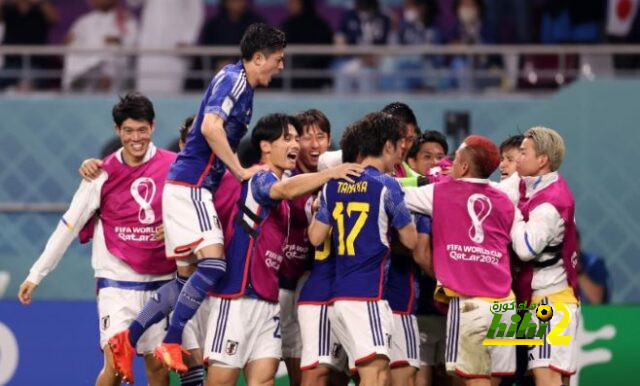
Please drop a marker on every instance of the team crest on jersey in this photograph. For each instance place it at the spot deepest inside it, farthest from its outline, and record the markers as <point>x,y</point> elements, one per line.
<point>105,322</point>
<point>143,190</point>
<point>231,347</point>
<point>479,207</point>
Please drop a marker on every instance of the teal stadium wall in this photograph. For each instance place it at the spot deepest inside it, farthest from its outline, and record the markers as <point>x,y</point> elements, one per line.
<point>43,139</point>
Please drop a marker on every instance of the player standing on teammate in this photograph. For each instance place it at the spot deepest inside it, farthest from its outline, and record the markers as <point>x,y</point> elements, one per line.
<point>128,261</point>
<point>473,224</point>
<point>244,321</point>
<point>359,216</point>
<point>549,244</point>
<point>190,222</point>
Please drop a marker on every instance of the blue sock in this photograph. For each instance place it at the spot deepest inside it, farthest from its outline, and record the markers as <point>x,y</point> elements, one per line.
<point>156,309</point>
<point>203,280</point>
<point>193,377</point>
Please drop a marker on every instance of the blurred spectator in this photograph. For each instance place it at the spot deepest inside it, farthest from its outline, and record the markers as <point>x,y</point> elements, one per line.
<point>162,74</point>
<point>27,22</point>
<point>593,277</point>
<point>623,27</point>
<point>417,26</point>
<point>475,72</point>
<point>107,25</point>
<point>224,29</point>
<point>365,24</point>
<point>305,26</point>
<point>566,21</point>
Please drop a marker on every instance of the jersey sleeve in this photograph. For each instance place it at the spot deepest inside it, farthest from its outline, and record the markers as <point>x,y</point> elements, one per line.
<point>260,185</point>
<point>226,90</point>
<point>423,223</point>
<point>395,207</point>
<point>323,211</point>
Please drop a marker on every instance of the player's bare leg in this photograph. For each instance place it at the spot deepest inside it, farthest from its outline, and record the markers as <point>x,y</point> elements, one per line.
<point>477,382</point>
<point>544,376</point>
<point>293,369</point>
<point>157,375</point>
<point>222,376</point>
<point>374,372</point>
<point>495,381</point>
<point>423,376</point>
<point>317,376</point>
<point>261,372</point>
<point>403,376</point>
<point>107,376</point>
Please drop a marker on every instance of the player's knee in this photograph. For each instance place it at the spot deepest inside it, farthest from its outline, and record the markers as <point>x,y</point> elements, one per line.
<point>157,374</point>
<point>222,376</point>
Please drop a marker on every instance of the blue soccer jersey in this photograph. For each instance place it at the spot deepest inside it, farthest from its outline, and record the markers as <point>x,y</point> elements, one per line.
<point>360,215</point>
<point>230,96</point>
<point>318,289</point>
<point>401,289</point>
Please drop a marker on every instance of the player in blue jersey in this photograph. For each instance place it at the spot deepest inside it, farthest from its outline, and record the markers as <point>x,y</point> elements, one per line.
<point>359,216</point>
<point>191,224</point>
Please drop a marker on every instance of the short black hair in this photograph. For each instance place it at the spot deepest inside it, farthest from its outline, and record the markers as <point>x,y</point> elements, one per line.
<point>377,129</point>
<point>260,37</point>
<point>428,136</point>
<point>402,111</point>
<point>185,127</point>
<point>513,142</point>
<point>314,117</point>
<point>133,106</point>
<point>271,127</point>
<point>349,143</point>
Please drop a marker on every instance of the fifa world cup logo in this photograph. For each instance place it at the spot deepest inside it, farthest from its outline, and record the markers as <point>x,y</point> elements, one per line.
<point>143,190</point>
<point>479,207</point>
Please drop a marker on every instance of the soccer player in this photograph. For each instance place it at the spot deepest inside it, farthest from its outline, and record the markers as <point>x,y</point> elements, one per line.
<point>298,253</point>
<point>245,319</point>
<point>473,225</point>
<point>128,261</point>
<point>427,150</point>
<point>410,131</point>
<point>548,243</point>
<point>509,152</point>
<point>190,221</point>
<point>360,215</point>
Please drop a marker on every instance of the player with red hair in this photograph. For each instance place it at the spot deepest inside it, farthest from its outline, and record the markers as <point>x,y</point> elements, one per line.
<point>473,223</point>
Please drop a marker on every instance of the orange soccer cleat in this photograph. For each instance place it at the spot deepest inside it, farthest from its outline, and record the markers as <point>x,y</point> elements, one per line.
<point>170,354</point>
<point>123,354</point>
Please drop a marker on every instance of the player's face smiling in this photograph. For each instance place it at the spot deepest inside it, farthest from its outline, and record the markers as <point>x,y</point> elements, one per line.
<point>135,137</point>
<point>284,151</point>
<point>528,163</point>
<point>270,66</point>
<point>313,142</point>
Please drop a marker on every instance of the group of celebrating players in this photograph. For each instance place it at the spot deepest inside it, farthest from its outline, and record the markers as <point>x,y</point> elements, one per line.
<point>314,256</point>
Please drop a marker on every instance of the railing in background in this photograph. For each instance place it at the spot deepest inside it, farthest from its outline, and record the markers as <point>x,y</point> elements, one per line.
<point>417,68</point>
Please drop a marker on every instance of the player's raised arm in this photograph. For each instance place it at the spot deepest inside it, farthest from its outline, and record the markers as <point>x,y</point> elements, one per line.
<point>420,199</point>
<point>308,182</point>
<point>319,227</point>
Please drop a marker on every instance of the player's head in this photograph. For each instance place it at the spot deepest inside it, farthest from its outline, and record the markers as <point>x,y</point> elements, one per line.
<point>349,143</point>
<point>381,137</point>
<point>133,117</point>
<point>262,48</point>
<point>426,151</point>
<point>184,130</point>
<point>407,118</point>
<point>315,138</point>
<point>477,157</point>
<point>276,136</point>
<point>541,152</point>
<point>509,151</point>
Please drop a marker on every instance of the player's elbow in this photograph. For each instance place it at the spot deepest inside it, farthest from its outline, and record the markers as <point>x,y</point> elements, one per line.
<point>315,238</point>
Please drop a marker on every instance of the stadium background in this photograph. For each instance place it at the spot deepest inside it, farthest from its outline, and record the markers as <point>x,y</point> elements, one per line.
<point>44,137</point>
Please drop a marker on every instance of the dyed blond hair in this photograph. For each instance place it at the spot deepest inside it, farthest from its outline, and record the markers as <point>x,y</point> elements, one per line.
<point>547,142</point>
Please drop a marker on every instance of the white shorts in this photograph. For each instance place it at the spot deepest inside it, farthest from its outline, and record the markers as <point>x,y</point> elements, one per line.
<point>364,328</point>
<point>319,343</point>
<point>242,330</point>
<point>190,220</point>
<point>195,332</point>
<point>560,358</point>
<point>404,342</point>
<point>468,321</point>
<point>291,340</point>
<point>432,339</point>
<point>118,307</point>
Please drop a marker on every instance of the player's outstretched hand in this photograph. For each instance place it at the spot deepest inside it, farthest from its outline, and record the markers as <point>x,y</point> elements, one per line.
<point>245,174</point>
<point>26,291</point>
<point>346,171</point>
<point>90,169</point>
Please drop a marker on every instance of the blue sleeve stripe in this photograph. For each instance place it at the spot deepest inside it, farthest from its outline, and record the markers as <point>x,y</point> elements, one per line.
<point>526,241</point>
